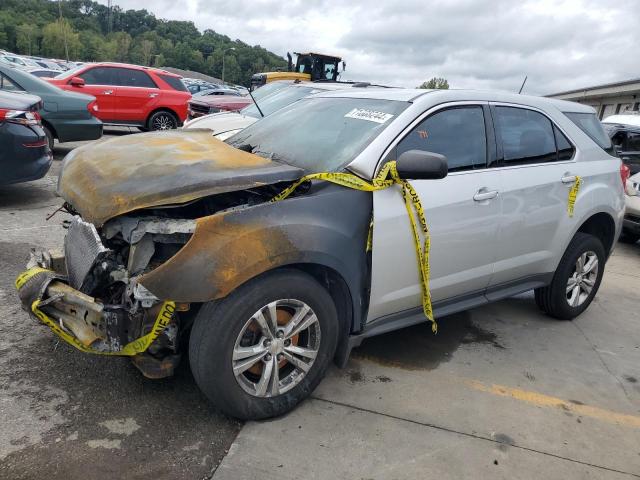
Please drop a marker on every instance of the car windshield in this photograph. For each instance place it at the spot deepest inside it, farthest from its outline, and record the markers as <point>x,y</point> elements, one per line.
<point>276,101</point>
<point>319,134</point>
<point>71,73</point>
<point>268,89</point>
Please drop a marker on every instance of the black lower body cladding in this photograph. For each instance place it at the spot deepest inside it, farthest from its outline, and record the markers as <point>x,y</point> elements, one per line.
<point>325,229</point>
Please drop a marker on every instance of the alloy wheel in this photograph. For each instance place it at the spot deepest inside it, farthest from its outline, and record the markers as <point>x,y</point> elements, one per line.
<point>163,122</point>
<point>581,282</point>
<point>276,348</point>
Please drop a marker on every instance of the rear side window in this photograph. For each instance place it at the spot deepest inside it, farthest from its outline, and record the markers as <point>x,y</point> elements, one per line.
<point>565,149</point>
<point>457,133</point>
<point>8,85</point>
<point>128,77</point>
<point>589,124</point>
<point>527,136</point>
<point>175,83</point>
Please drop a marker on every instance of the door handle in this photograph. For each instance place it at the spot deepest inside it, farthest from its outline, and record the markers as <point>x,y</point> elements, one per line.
<point>107,92</point>
<point>484,194</point>
<point>568,178</point>
<point>153,95</point>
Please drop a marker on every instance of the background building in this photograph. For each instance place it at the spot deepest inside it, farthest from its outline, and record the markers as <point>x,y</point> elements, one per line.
<point>607,99</point>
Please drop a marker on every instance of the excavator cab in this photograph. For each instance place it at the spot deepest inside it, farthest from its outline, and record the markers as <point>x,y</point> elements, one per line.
<point>315,67</point>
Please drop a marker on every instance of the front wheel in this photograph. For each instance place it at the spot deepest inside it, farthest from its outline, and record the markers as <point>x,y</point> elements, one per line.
<point>576,279</point>
<point>162,120</point>
<point>264,348</point>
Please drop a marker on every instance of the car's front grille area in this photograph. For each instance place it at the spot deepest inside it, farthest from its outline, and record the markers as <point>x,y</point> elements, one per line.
<point>633,218</point>
<point>199,109</point>
<point>82,248</point>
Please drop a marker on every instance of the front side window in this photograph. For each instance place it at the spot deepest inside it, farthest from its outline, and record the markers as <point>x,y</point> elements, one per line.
<point>527,136</point>
<point>98,76</point>
<point>128,77</point>
<point>457,133</point>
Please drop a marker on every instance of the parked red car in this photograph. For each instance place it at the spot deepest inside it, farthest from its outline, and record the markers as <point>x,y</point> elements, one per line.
<point>149,98</point>
<point>204,105</point>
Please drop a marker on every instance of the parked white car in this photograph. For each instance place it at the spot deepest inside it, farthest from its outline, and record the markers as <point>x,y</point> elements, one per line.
<point>631,224</point>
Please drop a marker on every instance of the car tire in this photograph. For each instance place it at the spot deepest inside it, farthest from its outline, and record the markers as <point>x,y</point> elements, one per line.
<point>572,288</point>
<point>162,120</point>
<point>49,135</point>
<point>225,330</point>
<point>627,237</point>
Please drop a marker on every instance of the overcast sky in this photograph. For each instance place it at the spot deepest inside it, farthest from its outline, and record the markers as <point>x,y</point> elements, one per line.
<point>493,44</point>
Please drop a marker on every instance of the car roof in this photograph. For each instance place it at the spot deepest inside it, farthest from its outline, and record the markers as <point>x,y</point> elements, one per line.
<point>132,66</point>
<point>453,95</point>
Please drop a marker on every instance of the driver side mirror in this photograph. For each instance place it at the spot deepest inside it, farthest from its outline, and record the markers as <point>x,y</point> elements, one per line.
<point>77,82</point>
<point>421,165</point>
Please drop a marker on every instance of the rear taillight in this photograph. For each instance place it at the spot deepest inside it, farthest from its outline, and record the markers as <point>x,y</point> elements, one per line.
<point>92,107</point>
<point>20,116</point>
<point>625,173</point>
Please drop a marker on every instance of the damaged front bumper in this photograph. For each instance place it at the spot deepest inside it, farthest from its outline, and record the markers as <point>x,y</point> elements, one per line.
<point>140,326</point>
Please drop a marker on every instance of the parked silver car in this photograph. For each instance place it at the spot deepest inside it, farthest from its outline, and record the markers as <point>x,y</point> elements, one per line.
<point>273,270</point>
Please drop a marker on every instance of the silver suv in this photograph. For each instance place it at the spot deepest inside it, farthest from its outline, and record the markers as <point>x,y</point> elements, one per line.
<point>176,234</point>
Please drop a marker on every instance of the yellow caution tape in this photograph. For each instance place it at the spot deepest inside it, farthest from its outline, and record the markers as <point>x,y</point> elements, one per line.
<point>387,177</point>
<point>27,274</point>
<point>573,193</point>
<point>135,347</point>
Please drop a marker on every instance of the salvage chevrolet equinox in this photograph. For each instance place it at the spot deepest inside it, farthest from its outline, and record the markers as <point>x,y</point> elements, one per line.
<point>345,215</point>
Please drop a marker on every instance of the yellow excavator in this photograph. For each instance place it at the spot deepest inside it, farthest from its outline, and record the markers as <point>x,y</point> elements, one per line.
<point>309,66</point>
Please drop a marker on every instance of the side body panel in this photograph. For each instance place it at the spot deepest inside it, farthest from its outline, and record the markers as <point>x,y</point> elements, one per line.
<point>463,236</point>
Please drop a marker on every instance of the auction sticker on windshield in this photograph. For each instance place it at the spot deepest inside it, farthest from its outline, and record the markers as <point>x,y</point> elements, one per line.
<point>370,115</point>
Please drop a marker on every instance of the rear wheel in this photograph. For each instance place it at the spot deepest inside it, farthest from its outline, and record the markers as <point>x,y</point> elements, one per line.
<point>576,279</point>
<point>162,120</point>
<point>260,351</point>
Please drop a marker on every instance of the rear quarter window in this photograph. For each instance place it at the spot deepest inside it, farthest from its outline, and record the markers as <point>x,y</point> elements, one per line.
<point>174,82</point>
<point>589,124</point>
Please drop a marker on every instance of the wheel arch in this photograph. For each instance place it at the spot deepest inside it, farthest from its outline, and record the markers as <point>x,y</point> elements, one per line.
<point>162,109</point>
<point>602,226</point>
<point>46,123</point>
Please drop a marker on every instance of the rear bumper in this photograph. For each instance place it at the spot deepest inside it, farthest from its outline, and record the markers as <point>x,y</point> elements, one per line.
<point>631,224</point>
<point>78,130</point>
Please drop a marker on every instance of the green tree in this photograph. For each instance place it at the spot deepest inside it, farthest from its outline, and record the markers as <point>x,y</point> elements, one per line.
<point>26,38</point>
<point>59,36</point>
<point>437,83</point>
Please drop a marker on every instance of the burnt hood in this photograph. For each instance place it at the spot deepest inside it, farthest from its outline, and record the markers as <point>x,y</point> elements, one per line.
<point>118,175</point>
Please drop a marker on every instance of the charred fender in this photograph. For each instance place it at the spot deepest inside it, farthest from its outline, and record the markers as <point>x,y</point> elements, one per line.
<point>327,226</point>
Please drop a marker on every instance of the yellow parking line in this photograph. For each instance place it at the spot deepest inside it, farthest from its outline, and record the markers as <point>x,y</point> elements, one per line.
<point>554,402</point>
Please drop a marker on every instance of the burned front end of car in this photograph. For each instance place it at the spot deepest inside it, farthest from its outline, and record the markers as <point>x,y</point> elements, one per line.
<point>145,231</point>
